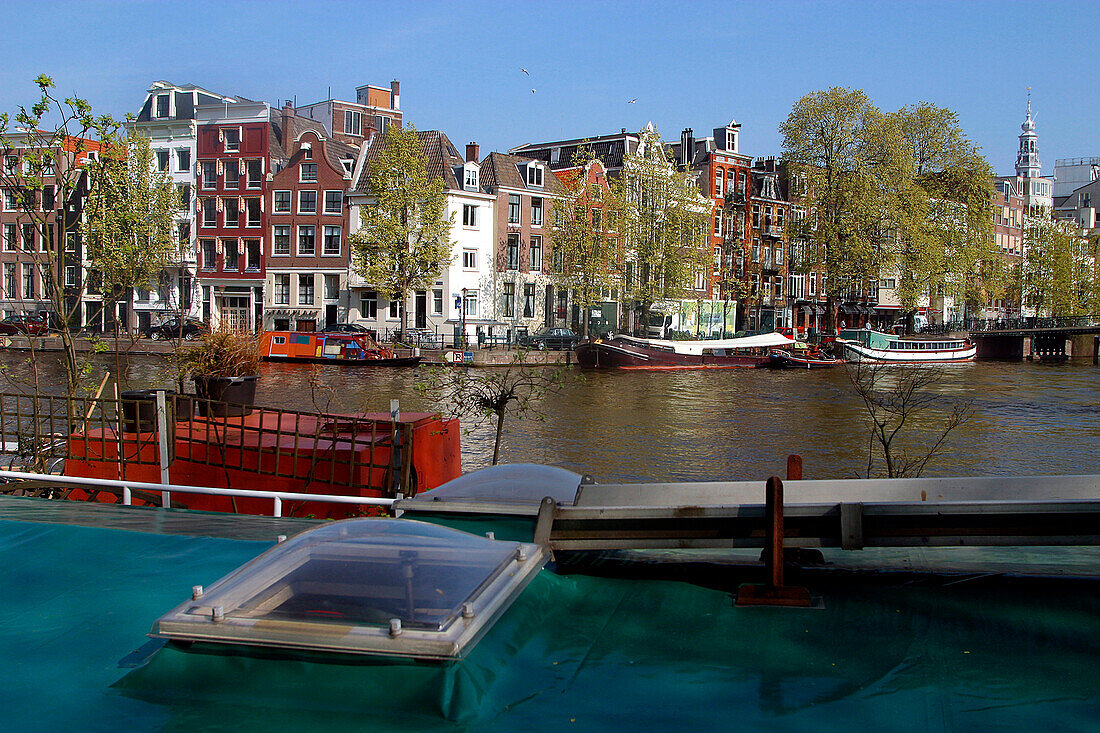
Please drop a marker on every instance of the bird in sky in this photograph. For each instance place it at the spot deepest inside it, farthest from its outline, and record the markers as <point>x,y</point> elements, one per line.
<point>633,100</point>
<point>532,91</point>
<point>525,71</point>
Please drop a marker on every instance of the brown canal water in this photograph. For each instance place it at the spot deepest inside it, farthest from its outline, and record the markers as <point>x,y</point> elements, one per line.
<point>1028,418</point>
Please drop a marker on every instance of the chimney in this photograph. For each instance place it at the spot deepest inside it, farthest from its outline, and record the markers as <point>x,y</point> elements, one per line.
<point>687,146</point>
<point>284,123</point>
<point>395,94</point>
<point>471,152</point>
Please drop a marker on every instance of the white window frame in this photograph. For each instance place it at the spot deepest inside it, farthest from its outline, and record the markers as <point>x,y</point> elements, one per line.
<point>183,160</point>
<point>167,97</point>
<point>302,177</point>
<point>352,116</point>
<point>248,213</point>
<point>275,238</point>
<point>469,259</point>
<point>328,230</point>
<point>164,160</point>
<point>236,146</point>
<point>469,216</point>
<point>303,280</point>
<point>368,311</point>
<point>275,287</point>
<point>540,208</point>
<point>535,175</point>
<point>535,264</point>
<point>471,303</point>
<point>275,203</point>
<point>301,193</point>
<point>515,206</point>
<point>470,178</point>
<point>298,241</point>
<point>339,209</point>
<point>437,301</point>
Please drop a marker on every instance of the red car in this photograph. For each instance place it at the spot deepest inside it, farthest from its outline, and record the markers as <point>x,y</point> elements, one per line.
<point>23,325</point>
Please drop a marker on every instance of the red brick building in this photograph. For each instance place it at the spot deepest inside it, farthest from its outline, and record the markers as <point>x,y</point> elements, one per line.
<point>307,255</point>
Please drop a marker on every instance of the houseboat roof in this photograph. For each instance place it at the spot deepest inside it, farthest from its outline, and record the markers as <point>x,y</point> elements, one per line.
<point>698,347</point>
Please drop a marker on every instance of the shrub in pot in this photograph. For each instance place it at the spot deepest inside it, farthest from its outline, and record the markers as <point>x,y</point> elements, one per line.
<point>225,364</point>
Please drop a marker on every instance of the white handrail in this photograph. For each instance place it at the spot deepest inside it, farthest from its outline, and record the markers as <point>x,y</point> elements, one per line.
<point>278,497</point>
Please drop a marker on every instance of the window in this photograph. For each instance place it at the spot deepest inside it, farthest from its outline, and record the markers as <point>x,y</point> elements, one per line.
<point>381,123</point>
<point>183,191</point>
<point>779,287</point>
<point>162,105</point>
<point>232,255</point>
<point>557,263</point>
<point>209,174</point>
<point>719,176</point>
<point>778,255</point>
<point>252,212</point>
<point>368,304</point>
<point>756,250</point>
<point>470,183</point>
<point>332,287</point>
<point>331,244</point>
<point>718,223</point>
<point>28,237</point>
<point>254,173</point>
<point>813,283</point>
<point>162,160</point>
<point>70,276</point>
<point>536,211</point>
<point>183,159</point>
<point>280,244</point>
<point>513,208</point>
<point>395,309</point>
<point>28,281</point>
<point>11,163</point>
<point>281,295</point>
<point>47,239</point>
<point>232,139</point>
<point>469,259</point>
<point>437,301</point>
<point>509,304</point>
<point>353,122</point>
<point>9,280</point>
<point>11,201</point>
<point>563,303</point>
<point>597,219</point>
<point>534,175</point>
<point>183,234</point>
<point>307,202</point>
<point>252,251</point>
<point>756,216</point>
<point>232,210</point>
<point>209,254</point>
<point>305,289</point>
<point>10,238</point>
<point>232,173</point>
<point>536,253</point>
<point>334,202</point>
<point>48,202</point>
<point>142,295</point>
<point>471,302</point>
<point>513,252</point>
<point>307,240</point>
<point>469,215</point>
<point>308,172</point>
<point>529,300</point>
<point>281,202</point>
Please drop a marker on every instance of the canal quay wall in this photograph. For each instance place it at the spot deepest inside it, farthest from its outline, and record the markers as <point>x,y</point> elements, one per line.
<point>493,356</point>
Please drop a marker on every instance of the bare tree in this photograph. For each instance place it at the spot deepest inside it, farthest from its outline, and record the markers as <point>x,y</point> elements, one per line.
<point>909,420</point>
<point>489,393</point>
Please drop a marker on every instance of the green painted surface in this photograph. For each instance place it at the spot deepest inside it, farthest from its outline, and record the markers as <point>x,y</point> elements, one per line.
<point>574,652</point>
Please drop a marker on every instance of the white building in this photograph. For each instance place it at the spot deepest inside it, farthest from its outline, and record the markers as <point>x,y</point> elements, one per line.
<point>464,292</point>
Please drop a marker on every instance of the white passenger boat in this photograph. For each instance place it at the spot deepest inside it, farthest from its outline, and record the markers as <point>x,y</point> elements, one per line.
<point>874,346</point>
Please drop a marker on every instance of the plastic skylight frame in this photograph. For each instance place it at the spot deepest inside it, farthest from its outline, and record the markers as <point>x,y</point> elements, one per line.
<point>474,580</point>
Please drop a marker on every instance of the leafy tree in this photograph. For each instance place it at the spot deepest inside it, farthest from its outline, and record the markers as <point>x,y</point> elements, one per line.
<point>858,178</point>
<point>585,249</point>
<point>948,244</point>
<point>1058,271</point>
<point>44,168</point>
<point>661,219</point>
<point>404,242</point>
<point>489,394</point>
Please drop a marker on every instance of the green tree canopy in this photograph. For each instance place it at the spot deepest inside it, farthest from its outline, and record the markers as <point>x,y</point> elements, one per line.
<point>404,242</point>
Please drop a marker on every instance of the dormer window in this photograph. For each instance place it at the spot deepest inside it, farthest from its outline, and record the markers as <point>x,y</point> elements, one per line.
<point>307,151</point>
<point>534,175</point>
<point>470,183</point>
<point>731,140</point>
<point>162,105</point>
<point>347,164</point>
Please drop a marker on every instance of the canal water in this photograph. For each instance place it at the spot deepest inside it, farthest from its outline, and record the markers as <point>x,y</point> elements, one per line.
<point>1027,418</point>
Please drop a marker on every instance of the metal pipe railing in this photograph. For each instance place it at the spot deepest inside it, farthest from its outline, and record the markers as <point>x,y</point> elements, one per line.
<point>277,497</point>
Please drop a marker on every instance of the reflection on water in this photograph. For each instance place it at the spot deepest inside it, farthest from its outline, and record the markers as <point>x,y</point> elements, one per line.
<point>729,424</point>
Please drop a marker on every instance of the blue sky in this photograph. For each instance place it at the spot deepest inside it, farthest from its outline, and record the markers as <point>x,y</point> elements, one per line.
<point>695,65</point>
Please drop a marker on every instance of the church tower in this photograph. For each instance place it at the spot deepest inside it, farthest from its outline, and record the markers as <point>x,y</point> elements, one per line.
<point>1027,159</point>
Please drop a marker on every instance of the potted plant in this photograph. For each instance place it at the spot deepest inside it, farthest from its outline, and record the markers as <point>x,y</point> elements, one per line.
<point>225,364</point>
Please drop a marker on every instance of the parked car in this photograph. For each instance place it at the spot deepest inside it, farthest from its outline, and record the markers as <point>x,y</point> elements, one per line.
<point>344,328</point>
<point>23,324</point>
<point>171,328</point>
<point>550,338</point>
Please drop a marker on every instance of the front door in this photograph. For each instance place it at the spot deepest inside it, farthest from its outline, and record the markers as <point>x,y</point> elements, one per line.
<point>548,319</point>
<point>331,313</point>
<point>421,309</point>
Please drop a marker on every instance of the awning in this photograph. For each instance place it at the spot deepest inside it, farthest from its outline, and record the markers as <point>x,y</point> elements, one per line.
<point>848,308</point>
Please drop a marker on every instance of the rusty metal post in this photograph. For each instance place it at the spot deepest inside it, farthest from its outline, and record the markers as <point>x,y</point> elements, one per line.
<point>794,468</point>
<point>774,593</point>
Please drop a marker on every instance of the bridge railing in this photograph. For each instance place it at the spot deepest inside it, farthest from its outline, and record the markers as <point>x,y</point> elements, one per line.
<point>986,325</point>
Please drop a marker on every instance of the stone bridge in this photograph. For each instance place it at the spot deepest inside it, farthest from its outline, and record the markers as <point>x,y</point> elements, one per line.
<point>1045,338</point>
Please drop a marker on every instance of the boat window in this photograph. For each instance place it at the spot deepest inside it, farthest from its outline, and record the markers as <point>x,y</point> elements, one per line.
<point>279,339</point>
<point>508,483</point>
<point>374,586</point>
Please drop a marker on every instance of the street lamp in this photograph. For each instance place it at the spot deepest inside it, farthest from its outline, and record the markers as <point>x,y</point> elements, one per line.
<point>463,319</point>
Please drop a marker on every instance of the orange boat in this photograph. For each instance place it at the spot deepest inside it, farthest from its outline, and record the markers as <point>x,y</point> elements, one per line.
<point>358,349</point>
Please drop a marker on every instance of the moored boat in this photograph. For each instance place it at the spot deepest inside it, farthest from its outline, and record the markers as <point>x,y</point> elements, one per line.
<point>357,349</point>
<point>803,359</point>
<point>628,352</point>
<point>874,346</point>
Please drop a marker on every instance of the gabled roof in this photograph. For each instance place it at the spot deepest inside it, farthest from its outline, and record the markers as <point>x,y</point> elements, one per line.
<point>280,138</point>
<point>439,153</point>
<point>501,169</point>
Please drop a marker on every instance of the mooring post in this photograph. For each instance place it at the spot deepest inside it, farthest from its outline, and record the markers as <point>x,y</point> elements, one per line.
<point>162,443</point>
<point>774,593</point>
<point>794,468</point>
